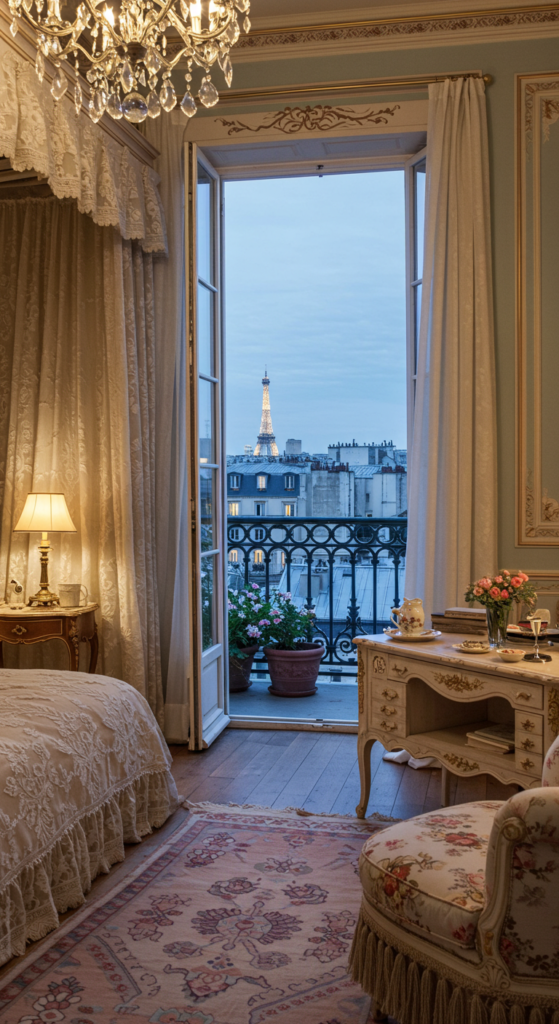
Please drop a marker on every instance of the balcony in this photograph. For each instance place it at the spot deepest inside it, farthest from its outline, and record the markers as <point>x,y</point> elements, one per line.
<point>349,570</point>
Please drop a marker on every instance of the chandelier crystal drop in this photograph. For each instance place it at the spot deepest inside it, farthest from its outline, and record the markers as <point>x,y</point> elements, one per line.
<point>124,52</point>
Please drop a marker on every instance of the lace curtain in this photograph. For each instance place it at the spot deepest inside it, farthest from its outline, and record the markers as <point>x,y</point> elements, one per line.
<point>77,157</point>
<point>77,414</point>
<point>452,531</point>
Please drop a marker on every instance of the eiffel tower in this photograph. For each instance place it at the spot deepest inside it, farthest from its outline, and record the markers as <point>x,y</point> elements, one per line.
<point>266,443</point>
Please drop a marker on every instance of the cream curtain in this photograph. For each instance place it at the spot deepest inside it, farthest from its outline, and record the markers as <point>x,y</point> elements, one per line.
<point>77,414</point>
<point>172,518</point>
<point>452,496</point>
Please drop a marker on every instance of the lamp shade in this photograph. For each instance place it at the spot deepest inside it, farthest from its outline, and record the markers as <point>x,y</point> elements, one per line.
<point>45,513</point>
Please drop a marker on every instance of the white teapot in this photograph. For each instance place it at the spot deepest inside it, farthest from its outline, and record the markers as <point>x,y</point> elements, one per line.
<point>411,616</point>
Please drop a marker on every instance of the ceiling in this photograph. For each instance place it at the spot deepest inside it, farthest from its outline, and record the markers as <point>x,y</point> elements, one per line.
<point>266,13</point>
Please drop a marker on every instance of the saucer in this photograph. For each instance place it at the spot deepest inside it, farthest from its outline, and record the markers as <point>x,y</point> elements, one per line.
<point>482,649</point>
<point>428,634</point>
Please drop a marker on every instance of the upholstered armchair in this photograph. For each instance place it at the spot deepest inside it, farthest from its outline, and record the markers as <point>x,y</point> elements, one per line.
<point>459,921</point>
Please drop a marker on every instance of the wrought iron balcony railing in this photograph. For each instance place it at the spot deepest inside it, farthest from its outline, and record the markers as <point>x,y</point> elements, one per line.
<point>349,570</point>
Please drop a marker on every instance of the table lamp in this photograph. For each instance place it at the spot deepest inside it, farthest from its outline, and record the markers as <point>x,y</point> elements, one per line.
<point>45,513</point>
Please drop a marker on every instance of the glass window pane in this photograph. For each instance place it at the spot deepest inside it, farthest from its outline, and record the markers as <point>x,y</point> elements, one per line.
<point>209,602</point>
<point>417,291</point>
<point>204,224</point>
<point>419,178</point>
<point>205,314</point>
<point>207,509</point>
<point>206,420</point>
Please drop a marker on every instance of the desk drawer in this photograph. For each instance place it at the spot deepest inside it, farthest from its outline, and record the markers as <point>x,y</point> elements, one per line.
<point>531,764</point>
<point>528,724</point>
<point>389,692</point>
<point>389,712</point>
<point>390,727</point>
<point>399,668</point>
<point>33,629</point>
<point>528,743</point>
<point>527,695</point>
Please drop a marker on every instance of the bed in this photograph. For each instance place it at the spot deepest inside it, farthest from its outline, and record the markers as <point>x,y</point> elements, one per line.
<point>84,769</point>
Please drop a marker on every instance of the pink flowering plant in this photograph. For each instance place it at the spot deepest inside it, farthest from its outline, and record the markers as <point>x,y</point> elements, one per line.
<point>283,625</point>
<point>496,592</point>
<point>246,609</point>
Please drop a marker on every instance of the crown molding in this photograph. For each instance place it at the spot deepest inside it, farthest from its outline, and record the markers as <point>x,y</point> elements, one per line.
<point>347,89</point>
<point>405,31</point>
<point>372,11</point>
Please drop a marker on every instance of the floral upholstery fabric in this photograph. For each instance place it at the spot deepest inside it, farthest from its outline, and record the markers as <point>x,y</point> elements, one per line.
<point>529,940</point>
<point>428,873</point>
<point>550,773</point>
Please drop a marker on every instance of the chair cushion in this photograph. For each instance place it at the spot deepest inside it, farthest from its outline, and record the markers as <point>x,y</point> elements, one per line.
<point>428,873</point>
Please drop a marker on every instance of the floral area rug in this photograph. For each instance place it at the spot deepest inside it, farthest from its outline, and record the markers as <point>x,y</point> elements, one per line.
<point>243,916</point>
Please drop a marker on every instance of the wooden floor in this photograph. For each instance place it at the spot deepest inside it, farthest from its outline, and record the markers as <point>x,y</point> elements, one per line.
<point>290,769</point>
<point>318,772</point>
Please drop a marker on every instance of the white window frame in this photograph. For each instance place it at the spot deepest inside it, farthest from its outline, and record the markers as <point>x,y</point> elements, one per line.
<point>257,505</point>
<point>234,505</point>
<point>206,133</point>
<point>413,283</point>
<point>259,485</point>
<point>234,486</point>
<point>290,504</point>
<point>233,556</point>
<point>290,486</point>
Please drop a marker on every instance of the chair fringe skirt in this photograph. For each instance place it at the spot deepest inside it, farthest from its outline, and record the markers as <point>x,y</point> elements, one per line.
<point>414,994</point>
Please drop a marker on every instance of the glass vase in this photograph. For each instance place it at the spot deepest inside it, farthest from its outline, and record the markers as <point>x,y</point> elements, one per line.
<point>497,622</point>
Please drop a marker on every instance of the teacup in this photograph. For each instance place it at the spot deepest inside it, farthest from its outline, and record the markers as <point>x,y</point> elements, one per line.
<point>410,617</point>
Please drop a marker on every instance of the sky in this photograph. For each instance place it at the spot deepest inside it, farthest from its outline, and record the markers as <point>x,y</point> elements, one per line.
<point>315,291</point>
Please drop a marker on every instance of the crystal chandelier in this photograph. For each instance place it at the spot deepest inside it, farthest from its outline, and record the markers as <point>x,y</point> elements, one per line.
<point>126,53</point>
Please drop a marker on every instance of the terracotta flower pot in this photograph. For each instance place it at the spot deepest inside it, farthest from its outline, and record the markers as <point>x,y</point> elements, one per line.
<point>239,670</point>
<point>294,673</point>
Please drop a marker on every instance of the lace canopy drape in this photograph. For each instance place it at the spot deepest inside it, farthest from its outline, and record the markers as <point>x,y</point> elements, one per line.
<point>77,401</point>
<point>77,157</point>
<point>452,534</point>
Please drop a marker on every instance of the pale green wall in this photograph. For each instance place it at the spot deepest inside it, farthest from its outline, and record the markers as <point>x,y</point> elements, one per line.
<point>502,61</point>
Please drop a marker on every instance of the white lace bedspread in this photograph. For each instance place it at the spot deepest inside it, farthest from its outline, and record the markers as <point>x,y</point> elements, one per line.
<point>84,768</point>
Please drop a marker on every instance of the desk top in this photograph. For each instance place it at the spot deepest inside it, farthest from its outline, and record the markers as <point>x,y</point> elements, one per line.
<point>441,651</point>
<point>45,613</point>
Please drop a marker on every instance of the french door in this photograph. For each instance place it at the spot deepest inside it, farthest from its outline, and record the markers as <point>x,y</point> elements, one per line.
<point>208,560</point>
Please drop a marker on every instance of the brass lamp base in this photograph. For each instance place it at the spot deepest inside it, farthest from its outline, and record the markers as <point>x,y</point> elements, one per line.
<point>44,597</point>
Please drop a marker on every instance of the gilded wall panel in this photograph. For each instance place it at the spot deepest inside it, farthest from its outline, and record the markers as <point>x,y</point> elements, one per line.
<point>537,140</point>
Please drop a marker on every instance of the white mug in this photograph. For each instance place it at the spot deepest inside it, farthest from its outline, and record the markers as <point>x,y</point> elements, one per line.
<point>70,594</point>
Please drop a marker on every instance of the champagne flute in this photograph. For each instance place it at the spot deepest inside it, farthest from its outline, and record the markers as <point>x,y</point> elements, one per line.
<point>536,626</point>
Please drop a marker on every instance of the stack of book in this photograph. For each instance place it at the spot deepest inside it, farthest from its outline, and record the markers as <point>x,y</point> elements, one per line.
<point>461,620</point>
<point>496,737</point>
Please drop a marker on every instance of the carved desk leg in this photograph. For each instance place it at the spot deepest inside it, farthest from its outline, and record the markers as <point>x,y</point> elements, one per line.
<point>364,747</point>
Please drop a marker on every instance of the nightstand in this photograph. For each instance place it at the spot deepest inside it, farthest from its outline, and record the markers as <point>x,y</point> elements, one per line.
<point>36,625</point>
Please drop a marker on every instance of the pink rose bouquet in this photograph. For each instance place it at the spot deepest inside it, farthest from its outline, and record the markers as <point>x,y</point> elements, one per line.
<point>502,590</point>
<point>496,594</point>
